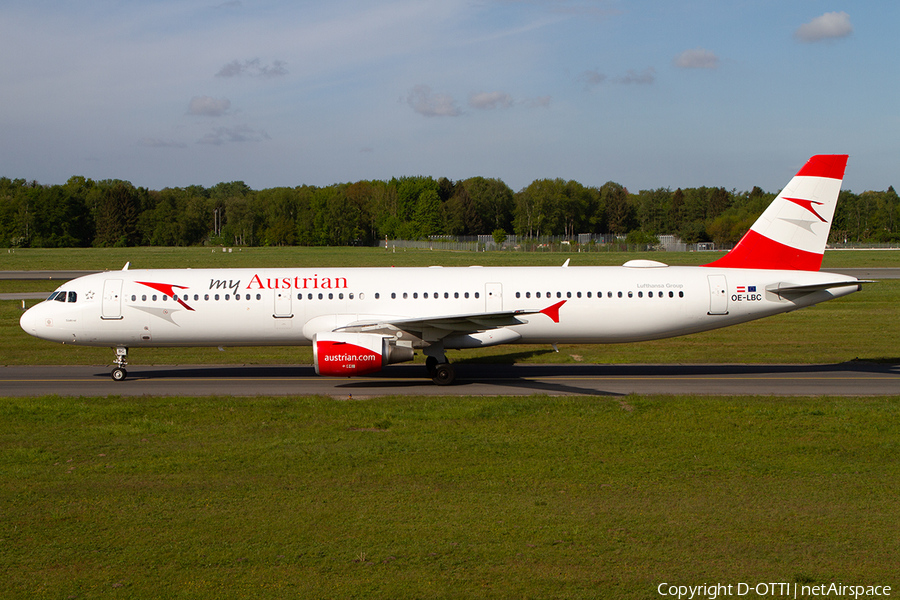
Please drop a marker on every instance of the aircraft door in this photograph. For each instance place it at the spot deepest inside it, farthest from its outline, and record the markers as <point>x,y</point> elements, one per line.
<point>718,295</point>
<point>112,299</point>
<point>283,304</point>
<point>493,297</point>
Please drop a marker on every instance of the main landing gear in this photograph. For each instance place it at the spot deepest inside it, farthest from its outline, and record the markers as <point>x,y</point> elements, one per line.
<point>119,373</point>
<point>441,372</point>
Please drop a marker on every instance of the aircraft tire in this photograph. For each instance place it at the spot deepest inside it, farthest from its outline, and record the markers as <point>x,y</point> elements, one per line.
<point>118,374</point>
<point>443,374</point>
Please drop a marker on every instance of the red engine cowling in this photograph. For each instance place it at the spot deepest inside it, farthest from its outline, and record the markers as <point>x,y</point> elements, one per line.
<point>348,354</point>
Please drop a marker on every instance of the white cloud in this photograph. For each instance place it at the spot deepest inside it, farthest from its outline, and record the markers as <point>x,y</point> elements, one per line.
<point>206,106</point>
<point>426,103</point>
<point>829,26</point>
<point>648,75</point>
<point>490,100</point>
<point>239,133</point>
<point>698,58</point>
<point>592,78</point>
<point>253,68</point>
<point>539,102</point>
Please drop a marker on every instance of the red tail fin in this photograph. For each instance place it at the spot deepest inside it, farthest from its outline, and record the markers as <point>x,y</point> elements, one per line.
<point>792,232</point>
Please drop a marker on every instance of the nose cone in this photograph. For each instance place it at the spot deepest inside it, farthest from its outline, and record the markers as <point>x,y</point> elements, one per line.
<point>27,322</point>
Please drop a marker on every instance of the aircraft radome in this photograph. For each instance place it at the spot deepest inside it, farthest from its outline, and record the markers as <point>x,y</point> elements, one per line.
<point>359,320</point>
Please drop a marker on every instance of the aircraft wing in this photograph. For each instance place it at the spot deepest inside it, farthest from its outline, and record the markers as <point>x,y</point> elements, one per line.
<point>438,327</point>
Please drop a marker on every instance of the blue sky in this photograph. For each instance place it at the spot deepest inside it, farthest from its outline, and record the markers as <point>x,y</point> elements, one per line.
<point>647,93</point>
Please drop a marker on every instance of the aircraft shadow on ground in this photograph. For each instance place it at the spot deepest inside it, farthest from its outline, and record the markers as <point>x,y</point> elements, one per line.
<point>535,378</point>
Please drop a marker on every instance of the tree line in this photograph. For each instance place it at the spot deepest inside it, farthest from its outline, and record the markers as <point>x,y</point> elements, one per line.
<point>83,213</point>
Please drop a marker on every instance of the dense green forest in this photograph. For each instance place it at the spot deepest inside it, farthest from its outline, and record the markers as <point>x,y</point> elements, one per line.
<point>83,212</point>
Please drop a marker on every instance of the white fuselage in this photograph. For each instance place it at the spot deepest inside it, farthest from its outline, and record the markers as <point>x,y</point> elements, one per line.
<point>255,307</point>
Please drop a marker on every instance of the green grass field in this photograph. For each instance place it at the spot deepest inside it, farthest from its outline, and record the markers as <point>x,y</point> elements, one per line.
<point>454,497</point>
<point>205,257</point>
<point>539,497</point>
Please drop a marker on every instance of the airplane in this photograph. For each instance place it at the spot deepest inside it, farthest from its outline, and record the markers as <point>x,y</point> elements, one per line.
<point>359,320</point>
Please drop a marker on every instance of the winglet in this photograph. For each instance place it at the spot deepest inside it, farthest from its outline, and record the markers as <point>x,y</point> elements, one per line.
<point>793,230</point>
<point>553,311</point>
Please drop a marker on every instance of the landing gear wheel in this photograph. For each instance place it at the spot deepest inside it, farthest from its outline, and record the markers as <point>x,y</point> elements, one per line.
<point>118,374</point>
<point>443,374</point>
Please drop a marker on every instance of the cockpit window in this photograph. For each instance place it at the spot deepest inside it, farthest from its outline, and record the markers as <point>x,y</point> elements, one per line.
<point>52,296</point>
<point>60,297</point>
<point>73,296</point>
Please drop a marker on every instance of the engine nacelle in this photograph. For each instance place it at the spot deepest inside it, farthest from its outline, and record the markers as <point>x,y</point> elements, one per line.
<point>347,354</point>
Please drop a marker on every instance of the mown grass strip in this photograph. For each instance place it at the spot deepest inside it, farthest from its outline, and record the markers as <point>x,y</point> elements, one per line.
<point>569,497</point>
<point>209,257</point>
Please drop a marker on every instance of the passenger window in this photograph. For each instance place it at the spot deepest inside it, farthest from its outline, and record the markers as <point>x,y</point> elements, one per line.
<point>300,296</point>
<point>154,297</point>
<point>216,297</point>
<point>630,294</point>
<point>350,296</point>
<point>206,296</point>
<point>569,294</point>
<point>466,294</point>
<point>341,296</point>
<point>528,294</point>
<point>405,296</point>
<point>681,294</point>
<point>456,294</point>
<point>425,295</point>
<point>537,295</point>
<point>476,294</point>
<point>415,295</point>
<point>640,295</point>
<point>579,294</point>
<point>620,294</point>
<point>558,294</point>
<point>133,298</point>
<point>393,295</point>
<point>446,295</point>
<point>259,296</point>
<point>144,298</point>
<point>518,295</point>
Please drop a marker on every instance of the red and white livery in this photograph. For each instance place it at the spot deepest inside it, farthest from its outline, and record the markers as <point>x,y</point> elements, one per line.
<point>359,320</point>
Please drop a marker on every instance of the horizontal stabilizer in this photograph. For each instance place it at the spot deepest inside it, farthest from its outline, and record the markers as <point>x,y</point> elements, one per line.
<point>783,289</point>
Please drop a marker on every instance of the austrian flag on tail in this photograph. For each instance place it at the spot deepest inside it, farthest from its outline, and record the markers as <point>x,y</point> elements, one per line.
<point>792,232</point>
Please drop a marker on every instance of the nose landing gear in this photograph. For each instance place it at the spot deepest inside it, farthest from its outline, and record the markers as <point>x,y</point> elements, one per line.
<point>119,373</point>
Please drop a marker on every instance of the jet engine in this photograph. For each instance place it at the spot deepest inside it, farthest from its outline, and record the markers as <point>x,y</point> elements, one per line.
<point>347,354</point>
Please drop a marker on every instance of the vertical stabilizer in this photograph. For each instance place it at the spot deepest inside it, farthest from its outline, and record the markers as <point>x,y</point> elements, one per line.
<point>792,232</point>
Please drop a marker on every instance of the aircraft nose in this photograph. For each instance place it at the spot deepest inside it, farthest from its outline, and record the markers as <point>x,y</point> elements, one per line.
<point>27,322</point>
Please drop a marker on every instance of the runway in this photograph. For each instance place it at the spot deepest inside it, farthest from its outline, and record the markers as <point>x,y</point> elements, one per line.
<point>845,379</point>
